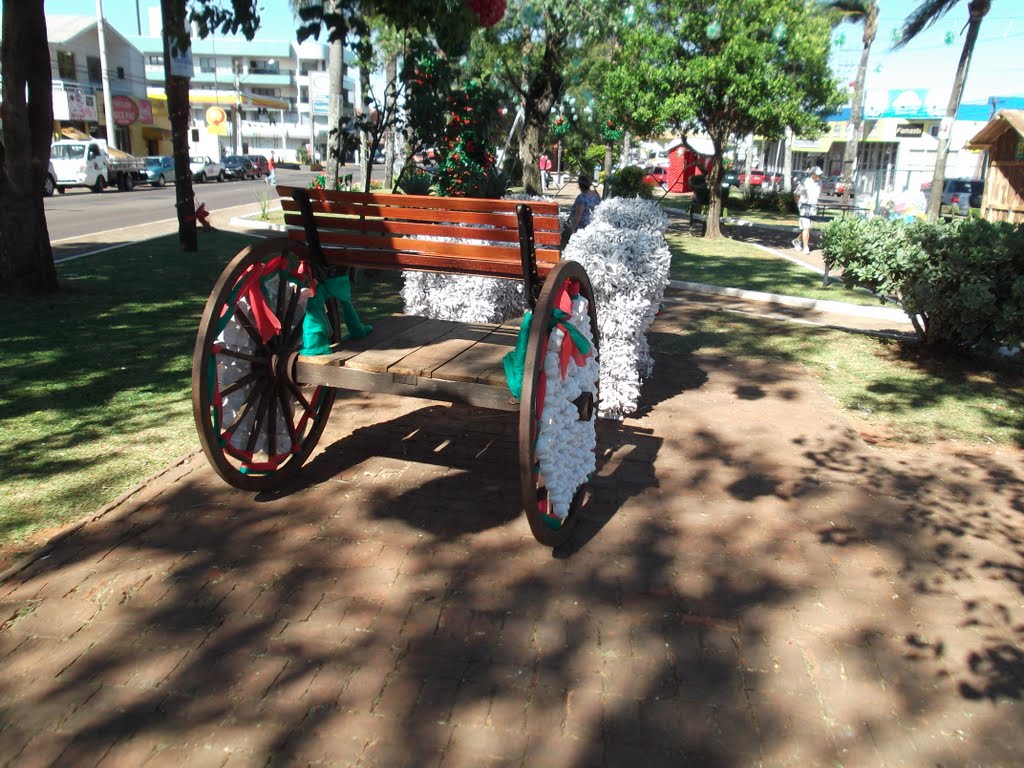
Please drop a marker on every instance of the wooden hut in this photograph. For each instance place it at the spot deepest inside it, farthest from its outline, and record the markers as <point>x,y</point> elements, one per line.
<point>1003,139</point>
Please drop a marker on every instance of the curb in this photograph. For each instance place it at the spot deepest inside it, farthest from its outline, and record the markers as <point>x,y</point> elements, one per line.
<point>242,222</point>
<point>821,305</point>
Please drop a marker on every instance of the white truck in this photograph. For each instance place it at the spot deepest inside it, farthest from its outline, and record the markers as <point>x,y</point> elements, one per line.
<point>93,164</point>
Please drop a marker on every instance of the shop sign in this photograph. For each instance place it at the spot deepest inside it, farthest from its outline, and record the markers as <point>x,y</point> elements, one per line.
<point>124,109</point>
<point>910,130</point>
<point>1018,152</point>
<point>80,107</point>
<point>216,121</point>
<point>145,111</point>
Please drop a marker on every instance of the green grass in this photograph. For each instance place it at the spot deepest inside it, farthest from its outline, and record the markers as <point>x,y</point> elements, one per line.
<point>737,264</point>
<point>95,381</point>
<point>902,391</point>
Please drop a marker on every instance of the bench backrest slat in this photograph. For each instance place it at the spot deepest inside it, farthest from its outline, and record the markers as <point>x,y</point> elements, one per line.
<point>403,232</point>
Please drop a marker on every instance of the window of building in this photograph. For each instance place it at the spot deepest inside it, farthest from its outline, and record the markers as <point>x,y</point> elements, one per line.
<point>155,61</point>
<point>303,94</point>
<point>120,73</point>
<point>305,67</point>
<point>66,65</point>
<point>92,64</point>
<point>207,64</point>
<point>264,67</point>
<point>266,91</point>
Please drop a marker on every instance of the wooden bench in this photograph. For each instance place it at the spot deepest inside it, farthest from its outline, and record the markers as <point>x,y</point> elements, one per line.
<point>261,400</point>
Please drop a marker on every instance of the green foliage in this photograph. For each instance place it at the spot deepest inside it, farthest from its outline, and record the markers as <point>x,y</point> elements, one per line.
<point>303,155</point>
<point>467,163</point>
<point>963,281</point>
<point>593,156</point>
<point>415,181</point>
<point>778,202</point>
<point>629,182</point>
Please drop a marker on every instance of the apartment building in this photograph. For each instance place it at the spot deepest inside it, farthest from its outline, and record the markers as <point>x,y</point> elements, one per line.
<point>249,96</point>
<point>77,78</point>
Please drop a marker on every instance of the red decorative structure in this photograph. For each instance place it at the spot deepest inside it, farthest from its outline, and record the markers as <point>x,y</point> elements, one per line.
<point>683,164</point>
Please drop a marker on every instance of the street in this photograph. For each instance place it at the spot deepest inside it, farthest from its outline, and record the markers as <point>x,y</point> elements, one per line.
<point>79,212</point>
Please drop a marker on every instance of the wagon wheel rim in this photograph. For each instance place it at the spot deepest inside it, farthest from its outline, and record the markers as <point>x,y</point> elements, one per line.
<point>533,486</point>
<point>256,425</point>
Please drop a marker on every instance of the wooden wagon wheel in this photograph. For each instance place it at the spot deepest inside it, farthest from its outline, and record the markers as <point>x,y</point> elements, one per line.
<point>553,511</point>
<point>255,424</point>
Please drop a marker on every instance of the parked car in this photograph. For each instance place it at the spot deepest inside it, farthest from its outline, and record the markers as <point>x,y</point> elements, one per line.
<point>91,163</point>
<point>203,167</point>
<point>656,175</point>
<point>159,169</point>
<point>756,178</point>
<point>260,164</point>
<point>50,182</point>
<point>960,195</point>
<point>833,185</point>
<point>238,167</point>
<point>731,178</point>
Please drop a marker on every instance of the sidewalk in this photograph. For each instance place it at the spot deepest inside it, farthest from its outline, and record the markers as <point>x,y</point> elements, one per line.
<point>752,585</point>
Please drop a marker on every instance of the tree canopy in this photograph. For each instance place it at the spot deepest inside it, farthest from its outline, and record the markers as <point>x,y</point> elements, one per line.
<point>739,67</point>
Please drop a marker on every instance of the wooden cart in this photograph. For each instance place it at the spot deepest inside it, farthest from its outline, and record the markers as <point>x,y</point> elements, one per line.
<point>261,401</point>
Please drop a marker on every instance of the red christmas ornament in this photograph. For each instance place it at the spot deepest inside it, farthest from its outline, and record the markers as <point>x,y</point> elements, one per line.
<point>490,12</point>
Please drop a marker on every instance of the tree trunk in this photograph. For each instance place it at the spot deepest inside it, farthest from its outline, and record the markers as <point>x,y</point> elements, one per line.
<point>977,10</point>
<point>336,107</point>
<point>179,113</point>
<point>787,163</point>
<point>26,257</point>
<point>713,222</point>
<point>541,94</point>
<point>748,165</point>
<point>857,105</point>
<point>607,160</point>
<point>529,152</point>
<point>365,161</point>
<point>391,107</point>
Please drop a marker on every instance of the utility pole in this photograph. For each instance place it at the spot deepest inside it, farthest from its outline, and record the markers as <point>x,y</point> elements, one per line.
<point>108,107</point>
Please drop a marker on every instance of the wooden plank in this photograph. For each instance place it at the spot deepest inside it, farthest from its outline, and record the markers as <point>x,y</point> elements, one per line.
<point>480,358</point>
<point>382,356</point>
<point>357,227</point>
<point>423,362</point>
<point>545,216</point>
<point>429,263</point>
<point>478,395</point>
<point>418,245</point>
<point>421,201</point>
<point>384,330</point>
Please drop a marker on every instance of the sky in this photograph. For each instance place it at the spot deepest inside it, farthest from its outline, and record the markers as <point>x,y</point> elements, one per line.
<point>929,62</point>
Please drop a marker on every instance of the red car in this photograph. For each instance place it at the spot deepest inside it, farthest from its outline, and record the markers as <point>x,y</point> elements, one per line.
<point>756,178</point>
<point>656,176</point>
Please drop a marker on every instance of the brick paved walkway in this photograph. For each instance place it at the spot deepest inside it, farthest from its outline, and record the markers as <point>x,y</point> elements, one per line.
<point>752,586</point>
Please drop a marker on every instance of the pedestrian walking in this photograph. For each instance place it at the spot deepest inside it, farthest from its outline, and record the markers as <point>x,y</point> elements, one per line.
<point>806,196</point>
<point>271,170</point>
<point>545,170</point>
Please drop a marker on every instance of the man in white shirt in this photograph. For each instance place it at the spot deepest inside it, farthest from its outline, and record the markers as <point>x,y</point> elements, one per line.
<point>806,196</point>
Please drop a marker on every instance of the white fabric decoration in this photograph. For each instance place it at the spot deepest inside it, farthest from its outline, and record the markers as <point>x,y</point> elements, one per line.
<point>627,259</point>
<point>565,444</point>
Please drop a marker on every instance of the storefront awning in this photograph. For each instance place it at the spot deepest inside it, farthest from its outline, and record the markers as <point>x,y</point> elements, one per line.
<point>226,98</point>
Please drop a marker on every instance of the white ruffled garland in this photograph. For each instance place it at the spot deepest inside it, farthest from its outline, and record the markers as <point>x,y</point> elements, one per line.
<point>565,443</point>
<point>465,298</point>
<point>627,259</point>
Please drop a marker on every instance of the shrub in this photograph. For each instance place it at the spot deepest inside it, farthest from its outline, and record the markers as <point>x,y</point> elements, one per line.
<point>962,283</point>
<point>629,182</point>
<point>593,157</point>
<point>415,181</point>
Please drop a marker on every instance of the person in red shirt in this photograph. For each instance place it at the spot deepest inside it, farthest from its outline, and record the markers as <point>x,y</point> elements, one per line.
<point>271,170</point>
<point>545,170</point>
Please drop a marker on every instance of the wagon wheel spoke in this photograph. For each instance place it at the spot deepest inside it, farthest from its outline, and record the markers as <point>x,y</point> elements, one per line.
<point>256,425</point>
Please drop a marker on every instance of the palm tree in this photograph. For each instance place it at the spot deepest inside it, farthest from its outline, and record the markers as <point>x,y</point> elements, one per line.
<point>927,13</point>
<point>859,12</point>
